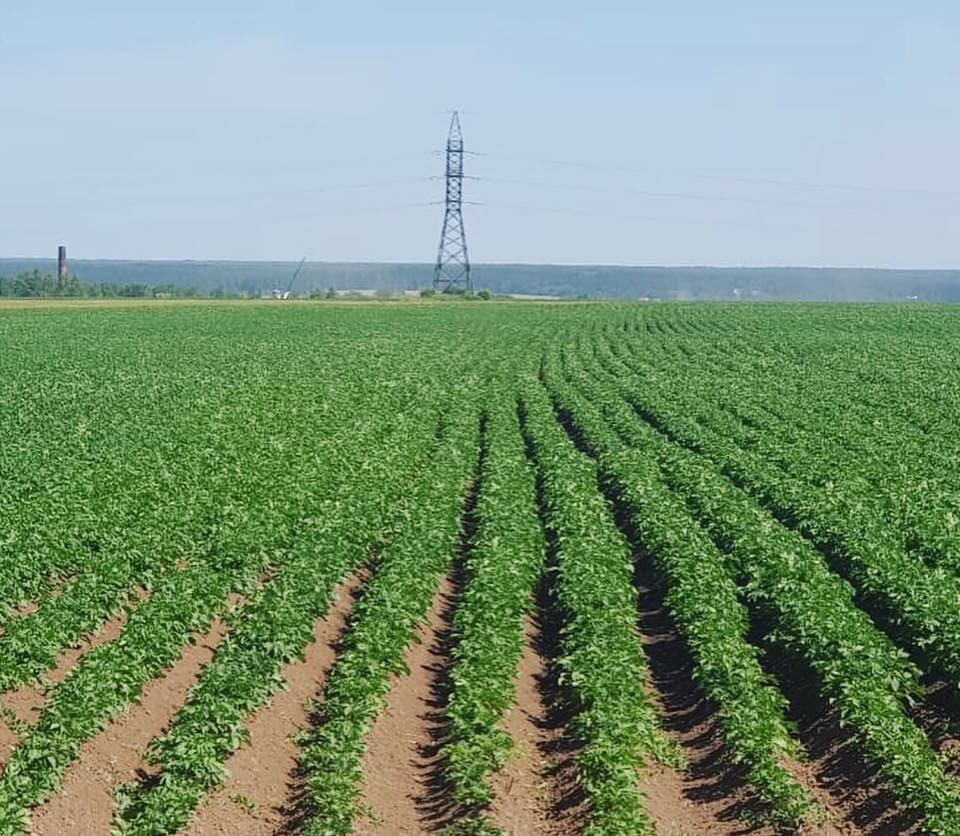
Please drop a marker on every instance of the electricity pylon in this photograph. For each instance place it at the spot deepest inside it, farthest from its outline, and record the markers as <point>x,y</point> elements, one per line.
<point>452,272</point>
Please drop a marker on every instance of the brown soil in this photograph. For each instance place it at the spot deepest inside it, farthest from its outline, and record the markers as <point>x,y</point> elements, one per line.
<point>27,701</point>
<point>32,606</point>
<point>937,715</point>
<point>690,803</point>
<point>256,799</point>
<point>403,784</point>
<point>535,793</point>
<point>710,797</point>
<point>9,740</point>
<point>854,793</point>
<point>831,818</point>
<point>26,609</point>
<point>527,798</point>
<point>713,798</point>
<point>85,804</point>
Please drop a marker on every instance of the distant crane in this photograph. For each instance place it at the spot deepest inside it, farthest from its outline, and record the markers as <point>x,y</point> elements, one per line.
<point>285,294</point>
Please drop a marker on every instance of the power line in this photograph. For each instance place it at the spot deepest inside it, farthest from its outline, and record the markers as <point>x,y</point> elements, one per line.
<point>632,217</point>
<point>339,211</point>
<point>225,197</point>
<point>237,170</point>
<point>767,181</point>
<point>338,187</point>
<point>682,195</point>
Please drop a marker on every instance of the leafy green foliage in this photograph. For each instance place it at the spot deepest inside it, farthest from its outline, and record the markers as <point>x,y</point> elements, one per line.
<point>863,673</point>
<point>602,667</point>
<point>503,564</point>
<point>384,625</point>
<point>794,468</point>
<point>703,600</point>
<point>270,631</point>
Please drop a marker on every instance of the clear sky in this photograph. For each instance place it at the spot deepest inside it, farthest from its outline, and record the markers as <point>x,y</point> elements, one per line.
<point>734,133</point>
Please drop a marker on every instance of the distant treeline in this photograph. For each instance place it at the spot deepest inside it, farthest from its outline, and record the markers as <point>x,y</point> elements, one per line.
<point>258,278</point>
<point>37,285</point>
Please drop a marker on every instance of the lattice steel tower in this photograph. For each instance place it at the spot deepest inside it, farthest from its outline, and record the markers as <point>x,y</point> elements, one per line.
<point>452,272</point>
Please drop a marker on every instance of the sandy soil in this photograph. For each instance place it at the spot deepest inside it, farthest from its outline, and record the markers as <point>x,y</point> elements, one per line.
<point>709,797</point>
<point>712,796</point>
<point>404,785</point>
<point>535,792</point>
<point>85,804</point>
<point>27,701</point>
<point>854,793</point>
<point>258,798</point>
<point>527,796</point>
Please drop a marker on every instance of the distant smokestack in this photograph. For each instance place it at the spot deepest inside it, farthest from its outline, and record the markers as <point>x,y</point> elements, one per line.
<point>62,271</point>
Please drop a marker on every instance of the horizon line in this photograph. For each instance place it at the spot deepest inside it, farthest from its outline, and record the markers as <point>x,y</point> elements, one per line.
<point>430,265</point>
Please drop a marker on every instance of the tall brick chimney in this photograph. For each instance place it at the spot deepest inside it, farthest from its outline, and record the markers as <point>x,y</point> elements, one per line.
<point>62,271</point>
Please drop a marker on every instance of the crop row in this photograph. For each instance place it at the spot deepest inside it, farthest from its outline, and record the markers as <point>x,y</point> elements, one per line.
<point>118,463</point>
<point>879,423</point>
<point>110,677</point>
<point>912,598</point>
<point>905,479</point>
<point>57,466</point>
<point>384,625</point>
<point>704,602</point>
<point>274,628</point>
<point>204,520</point>
<point>502,567</point>
<point>602,664</point>
<point>812,611</point>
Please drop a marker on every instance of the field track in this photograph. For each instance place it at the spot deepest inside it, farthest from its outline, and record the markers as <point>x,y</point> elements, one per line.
<point>479,568</point>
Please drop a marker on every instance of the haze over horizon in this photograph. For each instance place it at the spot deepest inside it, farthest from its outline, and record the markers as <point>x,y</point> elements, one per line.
<point>627,134</point>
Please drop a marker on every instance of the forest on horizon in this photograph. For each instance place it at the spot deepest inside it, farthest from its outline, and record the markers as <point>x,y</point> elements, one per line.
<point>257,278</point>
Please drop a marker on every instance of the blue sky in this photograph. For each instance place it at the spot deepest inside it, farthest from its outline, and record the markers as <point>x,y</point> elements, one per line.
<point>612,132</point>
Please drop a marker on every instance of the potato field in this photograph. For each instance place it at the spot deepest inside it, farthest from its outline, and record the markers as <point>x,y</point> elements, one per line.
<point>532,568</point>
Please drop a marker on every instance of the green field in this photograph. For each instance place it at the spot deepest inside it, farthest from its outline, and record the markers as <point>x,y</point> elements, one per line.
<point>741,521</point>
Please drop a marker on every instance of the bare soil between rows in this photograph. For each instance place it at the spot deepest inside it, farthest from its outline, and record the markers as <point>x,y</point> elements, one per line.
<point>85,804</point>
<point>263,793</point>
<point>403,779</point>
<point>534,792</point>
<point>712,796</point>
<point>24,704</point>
